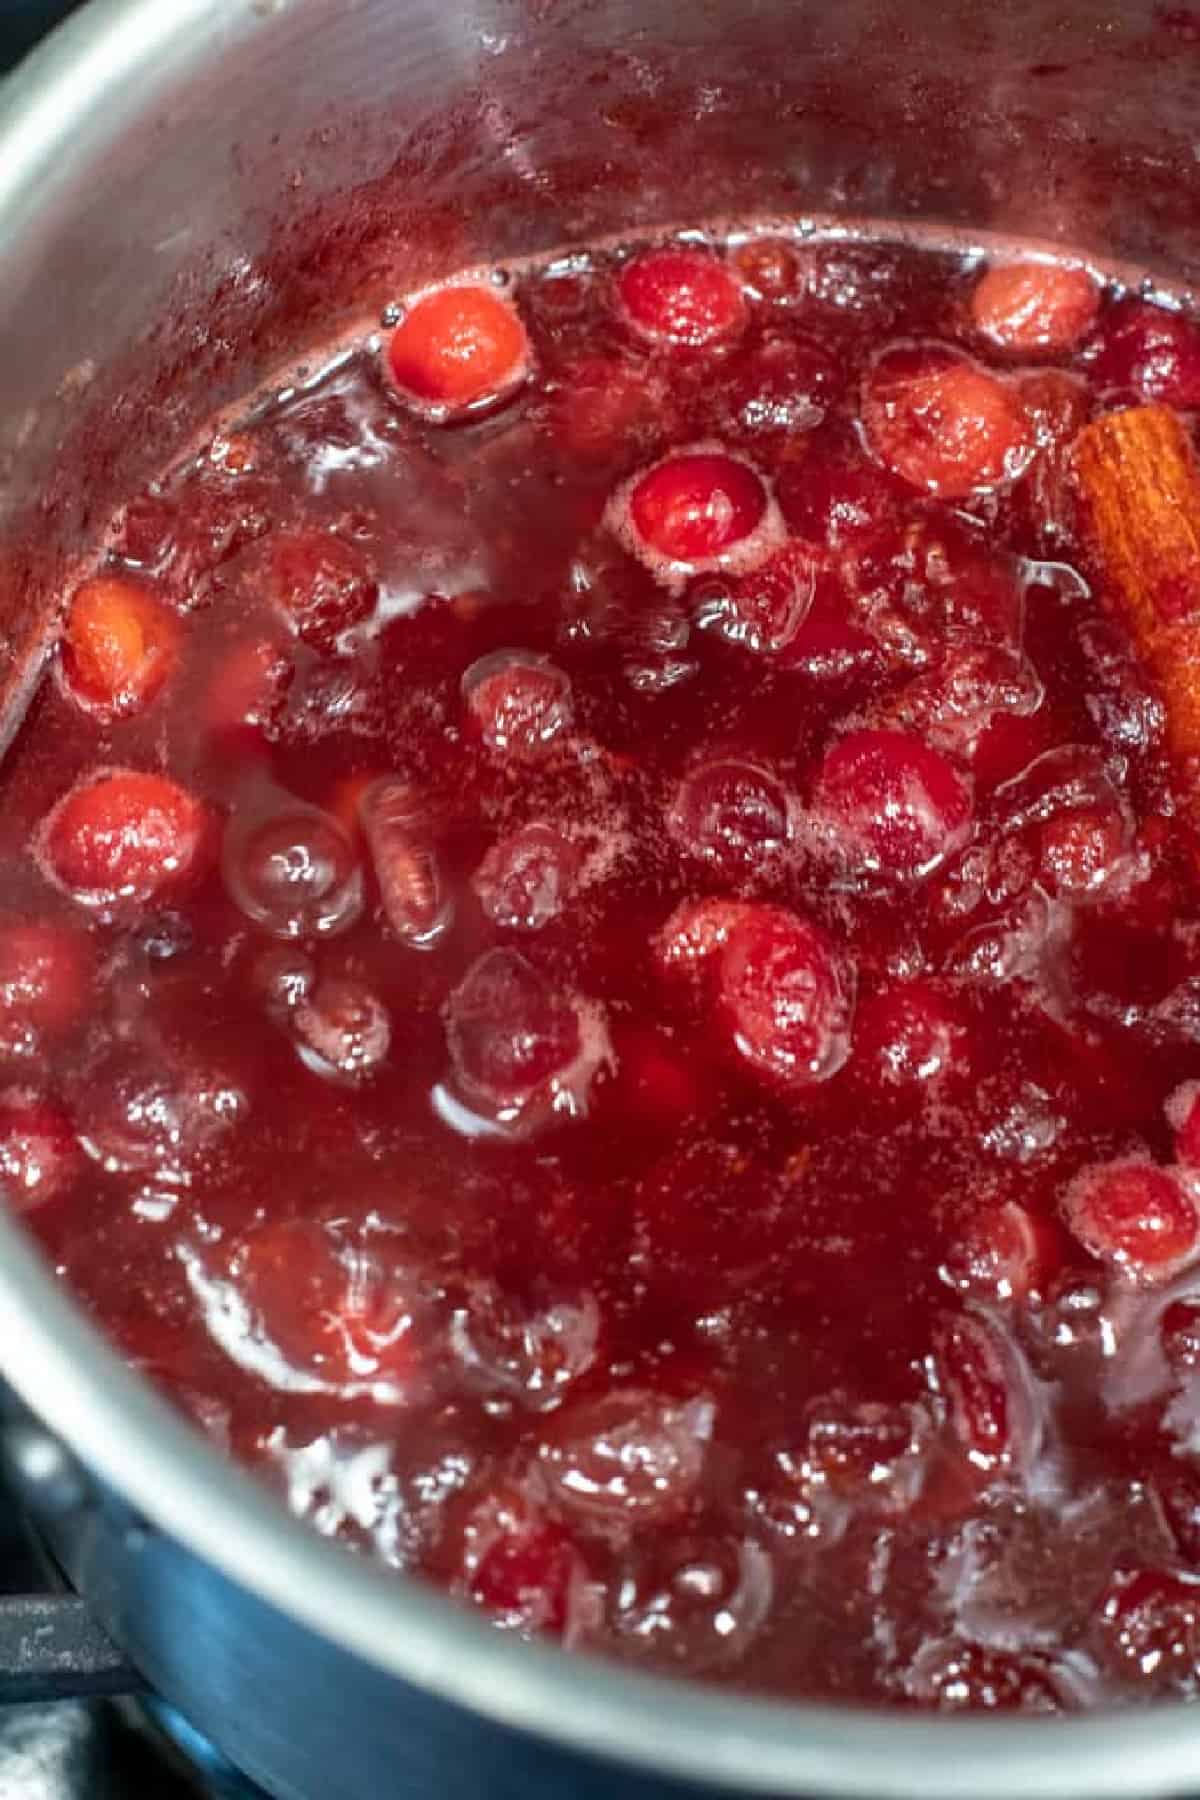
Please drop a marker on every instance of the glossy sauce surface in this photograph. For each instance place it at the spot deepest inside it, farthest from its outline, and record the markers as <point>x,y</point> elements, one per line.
<point>599,975</point>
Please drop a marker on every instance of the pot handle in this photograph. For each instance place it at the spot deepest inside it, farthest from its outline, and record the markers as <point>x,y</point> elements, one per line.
<point>52,1649</point>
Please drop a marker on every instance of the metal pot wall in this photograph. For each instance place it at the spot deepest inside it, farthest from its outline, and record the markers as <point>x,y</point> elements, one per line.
<point>190,193</point>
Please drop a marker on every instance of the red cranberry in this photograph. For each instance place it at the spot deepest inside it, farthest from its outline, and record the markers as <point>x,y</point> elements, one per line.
<point>1179,1329</point>
<point>1139,1217</point>
<point>729,812</point>
<point>1145,350</point>
<point>1082,852</point>
<point>972,1377</point>
<point>343,1029</point>
<point>507,1029</point>
<point>909,1036</point>
<point>39,1154</point>
<point>681,296</point>
<point>627,1459</point>
<point>787,996</point>
<point>892,805</point>
<point>1002,1253</point>
<point>1151,1620</point>
<point>295,874</point>
<point>526,877</point>
<point>838,502</point>
<point>46,975</point>
<point>866,1452</point>
<point>943,424</point>
<point>1183,1116</point>
<point>953,704</point>
<point>323,585</point>
<point>777,389</point>
<point>398,829</point>
<point>122,836</point>
<point>1177,1487</point>
<point>342,1312</point>
<point>695,1602</point>
<point>530,1353</point>
<point>698,928</point>
<point>763,609</point>
<point>519,701</point>
<point>119,645</point>
<point>694,507</point>
<point>955,1675</point>
<point>521,1566</point>
<point>141,1107</point>
<point>770,267</point>
<point>1031,307</point>
<point>458,349</point>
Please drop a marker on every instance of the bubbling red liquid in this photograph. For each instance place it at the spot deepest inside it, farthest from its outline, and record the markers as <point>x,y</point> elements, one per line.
<point>599,974</point>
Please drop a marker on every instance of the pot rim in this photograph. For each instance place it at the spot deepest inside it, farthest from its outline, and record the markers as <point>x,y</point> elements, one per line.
<point>59,1364</point>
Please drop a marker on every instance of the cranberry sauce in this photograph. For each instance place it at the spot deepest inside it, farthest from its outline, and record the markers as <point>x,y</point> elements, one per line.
<point>599,976</point>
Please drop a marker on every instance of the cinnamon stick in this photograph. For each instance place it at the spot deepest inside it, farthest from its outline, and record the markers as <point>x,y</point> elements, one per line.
<point>1139,485</point>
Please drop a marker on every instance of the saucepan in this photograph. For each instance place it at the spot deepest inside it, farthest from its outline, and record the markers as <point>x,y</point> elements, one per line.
<point>190,192</point>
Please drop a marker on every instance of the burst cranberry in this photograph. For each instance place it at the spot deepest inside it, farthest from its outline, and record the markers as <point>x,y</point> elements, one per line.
<point>602,405</point>
<point>777,389</point>
<point>1140,1217</point>
<point>729,812</point>
<point>528,1351</point>
<point>972,1376</point>
<point>891,805</point>
<point>519,701</point>
<point>1149,352</point>
<point>955,1675</point>
<point>1002,1253</point>
<point>763,609</point>
<point>525,878</point>
<point>1082,852</point>
<point>119,645</point>
<point>943,424</point>
<point>142,1106</point>
<point>323,585</point>
<point>682,297</point>
<point>1031,307</point>
<point>39,1153</point>
<point>695,1602</point>
<point>122,836</point>
<point>1183,1115</point>
<point>770,267</point>
<point>295,874</point>
<point>1151,1620</point>
<point>1179,1329</point>
<point>343,1029</point>
<point>835,500</point>
<point>508,1030</point>
<point>459,349</point>
<point>787,996</point>
<point>693,508</point>
<point>46,973</point>
<point>343,1311</point>
<point>865,1451</point>
<point>399,831</point>
<point>910,1036</point>
<point>519,1565</point>
<point>627,1459</point>
<point>697,929</point>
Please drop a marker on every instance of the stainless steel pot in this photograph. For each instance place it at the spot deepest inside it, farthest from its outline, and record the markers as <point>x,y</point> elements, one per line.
<point>167,169</point>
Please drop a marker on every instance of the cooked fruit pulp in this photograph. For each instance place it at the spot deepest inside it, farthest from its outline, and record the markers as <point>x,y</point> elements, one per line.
<point>600,969</point>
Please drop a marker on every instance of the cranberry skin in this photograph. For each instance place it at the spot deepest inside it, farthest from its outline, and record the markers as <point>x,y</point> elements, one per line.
<point>343,1029</point>
<point>1003,1253</point>
<point>973,1379</point>
<point>526,878</point>
<point>39,1154</point>
<point>776,390</point>
<point>696,930</point>
<point>458,349</point>
<point>143,1107</point>
<point>836,501</point>
<point>892,805</point>
<point>519,702</point>
<point>695,1602</point>
<point>944,425</point>
<point>770,268</point>
<point>954,1675</point>
<point>909,1037</point>
<point>1138,1217</point>
<point>625,1460</point>
<point>695,507</point>
<point>121,836</point>
<point>681,297</point>
<point>1035,307</point>
<point>321,584</point>
<point>1179,1330</point>
<point>398,827</point>
<point>1080,853</point>
<point>788,998</point>
<point>529,1352</point>
<point>46,976</point>
<point>1145,350</point>
<point>864,1451</point>
<point>517,1563</point>
<point>762,610</point>
<point>295,874</point>
<point>1151,1622</point>
<point>119,646</point>
<point>729,813</point>
<point>507,1029</point>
